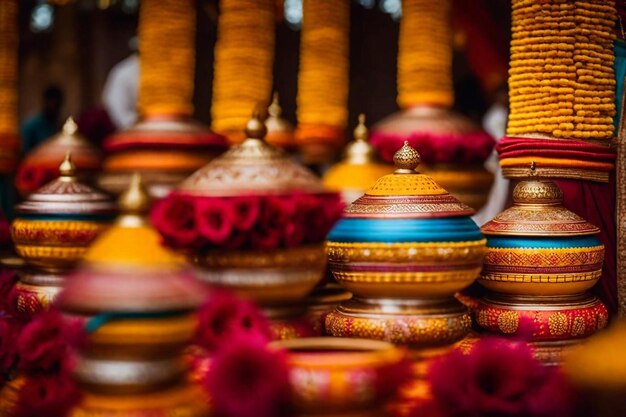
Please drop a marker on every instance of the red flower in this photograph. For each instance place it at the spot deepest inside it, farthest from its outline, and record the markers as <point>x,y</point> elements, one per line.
<point>498,378</point>
<point>47,395</point>
<point>9,330</point>
<point>41,344</point>
<point>390,378</point>
<point>245,211</point>
<point>224,316</point>
<point>174,217</point>
<point>213,219</point>
<point>246,379</point>
<point>30,177</point>
<point>7,282</point>
<point>237,240</point>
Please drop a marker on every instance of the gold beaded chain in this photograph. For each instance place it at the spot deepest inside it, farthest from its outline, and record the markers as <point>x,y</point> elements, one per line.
<point>167,30</point>
<point>244,56</point>
<point>425,54</point>
<point>561,79</point>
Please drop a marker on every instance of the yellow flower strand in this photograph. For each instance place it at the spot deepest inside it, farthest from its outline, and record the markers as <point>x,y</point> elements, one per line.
<point>167,54</point>
<point>425,54</point>
<point>8,66</point>
<point>244,56</point>
<point>324,69</point>
<point>561,77</point>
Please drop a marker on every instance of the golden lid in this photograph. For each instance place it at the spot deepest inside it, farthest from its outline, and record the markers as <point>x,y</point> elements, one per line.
<point>252,167</point>
<point>360,151</point>
<point>538,211</point>
<point>275,123</point>
<point>407,194</point>
<point>66,195</point>
<point>69,139</point>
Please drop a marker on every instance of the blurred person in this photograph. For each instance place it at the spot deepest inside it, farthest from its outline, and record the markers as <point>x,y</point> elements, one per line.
<point>44,124</point>
<point>120,92</point>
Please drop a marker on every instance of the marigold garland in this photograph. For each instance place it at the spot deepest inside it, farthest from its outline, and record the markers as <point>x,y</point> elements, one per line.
<point>425,54</point>
<point>167,47</point>
<point>9,37</point>
<point>562,82</point>
<point>244,56</point>
<point>323,77</point>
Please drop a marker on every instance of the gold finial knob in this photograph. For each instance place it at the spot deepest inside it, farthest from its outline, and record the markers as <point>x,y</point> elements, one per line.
<point>67,168</point>
<point>255,128</point>
<point>70,127</point>
<point>274,109</point>
<point>360,131</point>
<point>406,159</point>
<point>135,200</point>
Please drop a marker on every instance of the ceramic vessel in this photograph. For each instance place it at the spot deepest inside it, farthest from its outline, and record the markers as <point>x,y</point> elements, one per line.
<point>164,149</point>
<point>56,225</point>
<point>454,148</point>
<point>541,261</point>
<point>278,277</point>
<point>359,169</point>
<point>42,162</point>
<point>404,249</point>
<point>335,376</point>
<point>136,302</point>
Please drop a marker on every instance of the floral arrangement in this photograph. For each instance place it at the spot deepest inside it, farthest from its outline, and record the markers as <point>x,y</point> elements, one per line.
<point>323,74</point>
<point>167,33</point>
<point>30,177</point>
<point>497,378</point>
<point>37,353</point>
<point>425,54</point>
<point>244,55</point>
<point>246,222</point>
<point>562,81</point>
<point>468,148</point>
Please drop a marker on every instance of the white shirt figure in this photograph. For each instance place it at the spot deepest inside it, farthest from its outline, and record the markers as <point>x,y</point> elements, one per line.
<point>120,92</point>
<point>494,123</point>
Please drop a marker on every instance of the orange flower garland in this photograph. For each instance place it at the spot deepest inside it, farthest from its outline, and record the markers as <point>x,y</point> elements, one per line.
<point>9,32</point>
<point>562,82</point>
<point>323,76</point>
<point>244,56</point>
<point>425,54</point>
<point>167,47</point>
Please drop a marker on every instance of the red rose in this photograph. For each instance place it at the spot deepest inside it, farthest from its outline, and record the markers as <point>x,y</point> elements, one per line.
<point>213,219</point>
<point>237,240</point>
<point>41,344</point>
<point>263,238</point>
<point>47,395</point>
<point>246,379</point>
<point>245,211</point>
<point>7,282</point>
<point>223,316</point>
<point>9,330</point>
<point>174,217</point>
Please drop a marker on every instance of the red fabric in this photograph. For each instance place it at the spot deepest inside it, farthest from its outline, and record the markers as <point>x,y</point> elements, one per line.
<point>555,148</point>
<point>595,202</point>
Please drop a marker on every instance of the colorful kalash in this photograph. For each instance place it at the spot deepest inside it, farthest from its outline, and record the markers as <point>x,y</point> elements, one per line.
<point>541,261</point>
<point>137,302</point>
<point>404,249</point>
<point>52,232</point>
<point>254,221</point>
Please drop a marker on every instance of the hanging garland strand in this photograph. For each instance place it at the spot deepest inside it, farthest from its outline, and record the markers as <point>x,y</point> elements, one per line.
<point>562,81</point>
<point>9,38</point>
<point>167,52</point>
<point>244,56</point>
<point>425,54</point>
<point>323,78</point>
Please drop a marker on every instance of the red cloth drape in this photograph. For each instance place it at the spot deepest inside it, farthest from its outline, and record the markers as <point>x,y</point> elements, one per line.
<point>595,202</point>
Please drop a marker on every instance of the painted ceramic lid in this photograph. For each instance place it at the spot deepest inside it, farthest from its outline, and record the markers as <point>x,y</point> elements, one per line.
<point>252,167</point>
<point>67,196</point>
<point>538,211</point>
<point>128,270</point>
<point>407,194</point>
